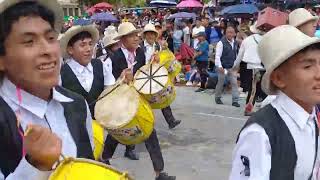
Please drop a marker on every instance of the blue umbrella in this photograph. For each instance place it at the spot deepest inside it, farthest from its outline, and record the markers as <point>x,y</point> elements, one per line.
<point>163,3</point>
<point>184,15</point>
<point>104,16</point>
<point>82,22</point>
<point>240,9</point>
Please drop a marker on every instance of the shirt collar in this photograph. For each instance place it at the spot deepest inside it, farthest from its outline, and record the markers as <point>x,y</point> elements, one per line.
<point>126,52</point>
<point>78,67</point>
<point>31,103</point>
<point>146,44</point>
<point>295,111</point>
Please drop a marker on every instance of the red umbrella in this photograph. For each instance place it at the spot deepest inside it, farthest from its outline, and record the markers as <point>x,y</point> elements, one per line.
<point>189,4</point>
<point>91,10</point>
<point>103,5</point>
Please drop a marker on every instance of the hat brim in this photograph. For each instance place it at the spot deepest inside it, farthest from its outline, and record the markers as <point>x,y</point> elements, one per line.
<point>150,30</point>
<point>72,32</point>
<point>126,34</point>
<point>52,5</point>
<point>267,86</point>
<point>112,42</point>
<point>254,30</point>
<point>314,18</point>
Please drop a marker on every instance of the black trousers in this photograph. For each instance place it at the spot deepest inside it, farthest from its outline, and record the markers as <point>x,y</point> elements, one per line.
<point>202,67</point>
<point>152,145</point>
<point>167,114</point>
<point>259,91</point>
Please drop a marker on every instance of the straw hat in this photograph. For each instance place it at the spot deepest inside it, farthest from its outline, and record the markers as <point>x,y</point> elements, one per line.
<point>52,5</point>
<point>277,46</point>
<point>109,29</point>
<point>255,30</point>
<point>108,39</point>
<point>150,28</point>
<point>301,16</point>
<point>126,28</point>
<point>74,30</point>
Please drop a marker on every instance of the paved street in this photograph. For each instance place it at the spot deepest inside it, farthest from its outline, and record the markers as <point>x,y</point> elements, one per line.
<point>200,148</point>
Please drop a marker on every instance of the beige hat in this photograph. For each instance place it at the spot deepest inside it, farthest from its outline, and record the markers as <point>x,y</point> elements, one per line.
<point>52,5</point>
<point>126,28</point>
<point>74,30</point>
<point>301,16</point>
<point>109,29</point>
<point>150,28</point>
<point>108,39</point>
<point>255,30</point>
<point>277,46</point>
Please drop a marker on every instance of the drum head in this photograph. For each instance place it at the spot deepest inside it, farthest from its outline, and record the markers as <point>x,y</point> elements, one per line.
<point>118,106</point>
<point>151,79</point>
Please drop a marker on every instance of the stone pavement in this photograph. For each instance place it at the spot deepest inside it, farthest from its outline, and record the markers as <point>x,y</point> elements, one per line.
<point>200,148</point>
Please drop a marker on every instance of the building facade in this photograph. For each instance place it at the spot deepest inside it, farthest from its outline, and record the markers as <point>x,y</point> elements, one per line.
<point>70,7</point>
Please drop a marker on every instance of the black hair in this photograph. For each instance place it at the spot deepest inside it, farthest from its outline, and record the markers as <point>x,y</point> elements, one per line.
<point>80,36</point>
<point>14,13</point>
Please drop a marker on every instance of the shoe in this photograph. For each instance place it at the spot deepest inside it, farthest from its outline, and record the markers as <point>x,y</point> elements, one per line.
<point>189,83</point>
<point>174,124</point>
<point>165,176</point>
<point>235,104</point>
<point>246,113</point>
<point>218,101</point>
<point>199,90</point>
<point>131,154</point>
<point>107,162</point>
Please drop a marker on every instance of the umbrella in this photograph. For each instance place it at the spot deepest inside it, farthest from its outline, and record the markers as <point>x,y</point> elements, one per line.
<point>104,16</point>
<point>184,15</point>
<point>163,3</point>
<point>240,9</point>
<point>103,5</point>
<point>91,10</point>
<point>189,4</point>
<point>82,22</point>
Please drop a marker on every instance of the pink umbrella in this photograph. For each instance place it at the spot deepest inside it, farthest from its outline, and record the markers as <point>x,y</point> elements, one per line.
<point>91,10</point>
<point>103,5</point>
<point>189,4</point>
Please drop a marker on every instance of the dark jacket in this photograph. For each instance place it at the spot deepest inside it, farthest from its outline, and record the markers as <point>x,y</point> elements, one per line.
<point>229,54</point>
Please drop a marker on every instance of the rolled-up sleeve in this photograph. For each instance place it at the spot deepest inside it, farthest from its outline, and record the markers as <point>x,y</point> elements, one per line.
<point>254,147</point>
<point>25,169</point>
<point>219,49</point>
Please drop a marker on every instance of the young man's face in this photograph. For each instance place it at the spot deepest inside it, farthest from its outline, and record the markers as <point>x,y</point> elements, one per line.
<point>151,37</point>
<point>299,78</point>
<point>82,51</point>
<point>32,58</point>
<point>309,28</point>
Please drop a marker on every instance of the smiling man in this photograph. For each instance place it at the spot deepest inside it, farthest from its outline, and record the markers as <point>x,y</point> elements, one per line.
<point>57,120</point>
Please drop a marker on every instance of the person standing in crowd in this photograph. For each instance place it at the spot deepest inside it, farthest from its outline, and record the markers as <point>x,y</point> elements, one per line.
<point>39,119</point>
<point>198,28</point>
<point>201,57</point>
<point>226,54</point>
<point>177,37</point>
<point>167,35</point>
<point>207,27</point>
<point>186,34</point>
<point>280,141</point>
<point>123,64</point>
<point>248,53</point>
<point>150,47</point>
<point>215,34</point>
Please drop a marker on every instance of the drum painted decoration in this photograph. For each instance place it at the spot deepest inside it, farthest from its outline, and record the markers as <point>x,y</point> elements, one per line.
<point>98,138</point>
<point>83,169</point>
<point>168,59</point>
<point>154,84</point>
<point>125,114</point>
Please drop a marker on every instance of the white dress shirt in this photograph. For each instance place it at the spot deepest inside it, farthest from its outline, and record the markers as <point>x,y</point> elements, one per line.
<point>195,31</point>
<point>254,143</point>
<point>126,55</point>
<point>34,110</point>
<point>219,50</point>
<point>85,74</point>
<point>249,52</point>
<point>149,50</point>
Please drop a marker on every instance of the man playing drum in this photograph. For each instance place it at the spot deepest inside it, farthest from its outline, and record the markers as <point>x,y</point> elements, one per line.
<point>40,121</point>
<point>82,74</point>
<point>125,62</point>
<point>150,46</point>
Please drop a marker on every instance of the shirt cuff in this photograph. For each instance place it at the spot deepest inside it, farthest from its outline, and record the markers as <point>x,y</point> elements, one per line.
<point>25,169</point>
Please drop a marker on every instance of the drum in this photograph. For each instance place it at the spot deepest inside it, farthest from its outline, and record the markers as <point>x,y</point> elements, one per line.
<point>98,138</point>
<point>125,114</point>
<point>168,59</point>
<point>71,168</point>
<point>155,85</point>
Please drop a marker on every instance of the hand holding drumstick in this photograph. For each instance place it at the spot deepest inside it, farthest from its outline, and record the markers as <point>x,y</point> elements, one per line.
<point>42,147</point>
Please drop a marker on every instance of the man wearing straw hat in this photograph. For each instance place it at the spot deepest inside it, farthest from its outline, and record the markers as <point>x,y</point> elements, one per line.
<point>150,47</point>
<point>280,141</point>
<point>127,60</point>
<point>39,120</point>
<point>248,53</point>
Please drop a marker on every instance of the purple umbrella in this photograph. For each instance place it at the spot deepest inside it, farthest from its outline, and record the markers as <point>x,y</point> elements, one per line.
<point>184,15</point>
<point>104,16</point>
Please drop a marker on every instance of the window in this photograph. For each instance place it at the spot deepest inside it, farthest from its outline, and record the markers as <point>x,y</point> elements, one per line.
<point>71,12</point>
<point>65,11</point>
<point>76,12</point>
